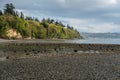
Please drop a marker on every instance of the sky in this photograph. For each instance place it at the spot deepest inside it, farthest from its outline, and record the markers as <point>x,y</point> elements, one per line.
<point>94,16</point>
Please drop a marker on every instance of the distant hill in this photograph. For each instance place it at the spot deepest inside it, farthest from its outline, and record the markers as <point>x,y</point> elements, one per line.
<point>14,25</point>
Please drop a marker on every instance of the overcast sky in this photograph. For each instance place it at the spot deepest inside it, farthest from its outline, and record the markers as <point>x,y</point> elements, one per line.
<point>84,15</point>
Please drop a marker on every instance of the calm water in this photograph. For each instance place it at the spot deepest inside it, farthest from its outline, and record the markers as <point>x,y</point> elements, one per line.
<point>97,41</point>
<point>106,38</point>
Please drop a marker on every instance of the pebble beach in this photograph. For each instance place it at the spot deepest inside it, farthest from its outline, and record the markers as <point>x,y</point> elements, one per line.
<point>59,61</point>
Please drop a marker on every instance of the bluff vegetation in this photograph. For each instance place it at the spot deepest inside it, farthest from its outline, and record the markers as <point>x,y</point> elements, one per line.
<point>14,25</point>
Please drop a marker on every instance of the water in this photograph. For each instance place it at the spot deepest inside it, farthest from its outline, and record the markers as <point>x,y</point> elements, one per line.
<point>99,38</point>
<point>96,41</point>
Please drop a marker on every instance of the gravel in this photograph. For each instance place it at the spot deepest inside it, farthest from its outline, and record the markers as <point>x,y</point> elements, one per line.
<point>62,67</point>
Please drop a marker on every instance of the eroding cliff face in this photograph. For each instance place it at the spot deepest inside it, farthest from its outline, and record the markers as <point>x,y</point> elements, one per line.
<point>13,34</point>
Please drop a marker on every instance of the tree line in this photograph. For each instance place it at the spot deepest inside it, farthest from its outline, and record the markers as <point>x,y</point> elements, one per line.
<point>33,27</point>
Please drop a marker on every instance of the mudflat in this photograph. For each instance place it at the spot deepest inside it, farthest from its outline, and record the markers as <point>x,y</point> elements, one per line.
<point>59,62</point>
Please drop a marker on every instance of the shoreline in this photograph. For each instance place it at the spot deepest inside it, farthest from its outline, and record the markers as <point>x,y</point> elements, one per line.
<point>59,61</point>
<point>24,49</point>
<point>70,41</point>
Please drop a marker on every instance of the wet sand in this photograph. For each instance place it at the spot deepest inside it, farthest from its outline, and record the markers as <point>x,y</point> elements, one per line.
<point>59,62</point>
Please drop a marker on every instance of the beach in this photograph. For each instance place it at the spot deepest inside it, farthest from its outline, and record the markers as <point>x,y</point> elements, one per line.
<point>59,61</point>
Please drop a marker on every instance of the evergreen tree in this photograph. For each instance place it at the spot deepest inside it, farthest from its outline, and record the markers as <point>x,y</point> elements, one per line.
<point>1,12</point>
<point>9,9</point>
<point>56,23</point>
<point>29,18</point>
<point>61,24</point>
<point>68,26</point>
<point>16,13</point>
<point>21,15</point>
<point>36,19</point>
<point>43,20</point>
<point>51,21</point>
<point>48,20</point>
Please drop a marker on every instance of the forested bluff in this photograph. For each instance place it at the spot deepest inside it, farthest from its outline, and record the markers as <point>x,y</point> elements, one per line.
<point>15,25</point>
